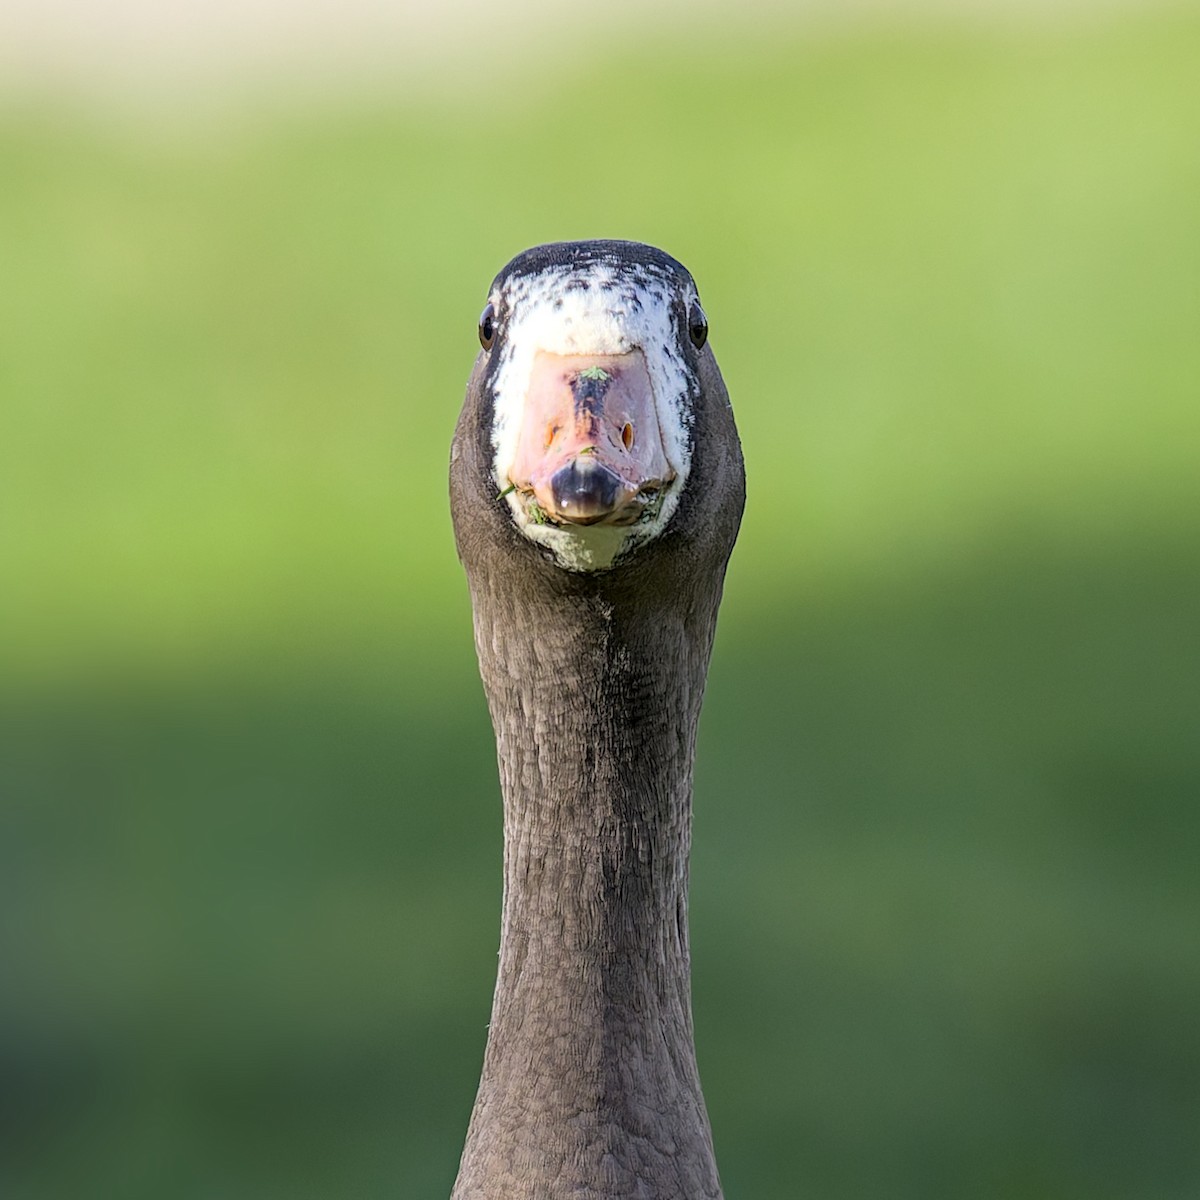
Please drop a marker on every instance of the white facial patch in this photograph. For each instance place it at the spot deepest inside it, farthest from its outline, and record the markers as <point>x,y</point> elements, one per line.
<point>593,309</point>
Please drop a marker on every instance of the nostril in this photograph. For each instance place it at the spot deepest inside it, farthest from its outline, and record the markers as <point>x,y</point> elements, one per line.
<point>627,436</point>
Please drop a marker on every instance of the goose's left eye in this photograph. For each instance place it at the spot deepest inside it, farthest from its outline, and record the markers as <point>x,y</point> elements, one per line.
<point>697,325</point>
<point>487,326</point>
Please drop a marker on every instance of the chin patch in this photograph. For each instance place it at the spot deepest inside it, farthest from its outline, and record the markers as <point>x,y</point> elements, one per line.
<point>597,308</point>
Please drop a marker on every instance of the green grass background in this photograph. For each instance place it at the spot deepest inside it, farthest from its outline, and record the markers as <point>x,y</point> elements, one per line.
<point>946,896</point>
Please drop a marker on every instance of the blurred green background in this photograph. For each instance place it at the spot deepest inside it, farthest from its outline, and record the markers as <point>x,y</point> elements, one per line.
<point>946,896</point>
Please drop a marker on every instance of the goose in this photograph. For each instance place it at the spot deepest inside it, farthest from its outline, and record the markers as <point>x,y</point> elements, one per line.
<point>597,487</point>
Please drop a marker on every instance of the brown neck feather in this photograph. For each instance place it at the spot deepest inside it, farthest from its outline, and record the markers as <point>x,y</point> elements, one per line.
<point>590,1089</point>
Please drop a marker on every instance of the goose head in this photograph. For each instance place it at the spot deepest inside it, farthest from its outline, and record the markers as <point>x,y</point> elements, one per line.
<point>596,423</point>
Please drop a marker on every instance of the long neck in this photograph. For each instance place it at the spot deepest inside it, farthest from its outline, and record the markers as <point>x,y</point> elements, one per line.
<point>589,1084</point>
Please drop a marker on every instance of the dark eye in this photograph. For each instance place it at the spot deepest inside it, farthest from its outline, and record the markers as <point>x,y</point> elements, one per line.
<point>697,325</point>
<point>487,326</point>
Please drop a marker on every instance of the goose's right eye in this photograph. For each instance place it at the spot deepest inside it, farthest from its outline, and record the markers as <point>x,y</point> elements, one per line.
<point>487,326</point>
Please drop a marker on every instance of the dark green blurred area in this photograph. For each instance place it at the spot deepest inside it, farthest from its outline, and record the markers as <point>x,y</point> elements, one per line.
<point>946,905</point>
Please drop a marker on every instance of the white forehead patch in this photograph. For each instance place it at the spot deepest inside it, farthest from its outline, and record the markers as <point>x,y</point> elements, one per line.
<point>595,309</point>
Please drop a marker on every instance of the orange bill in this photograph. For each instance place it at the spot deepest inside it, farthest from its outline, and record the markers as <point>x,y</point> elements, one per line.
<point>590,449</point>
